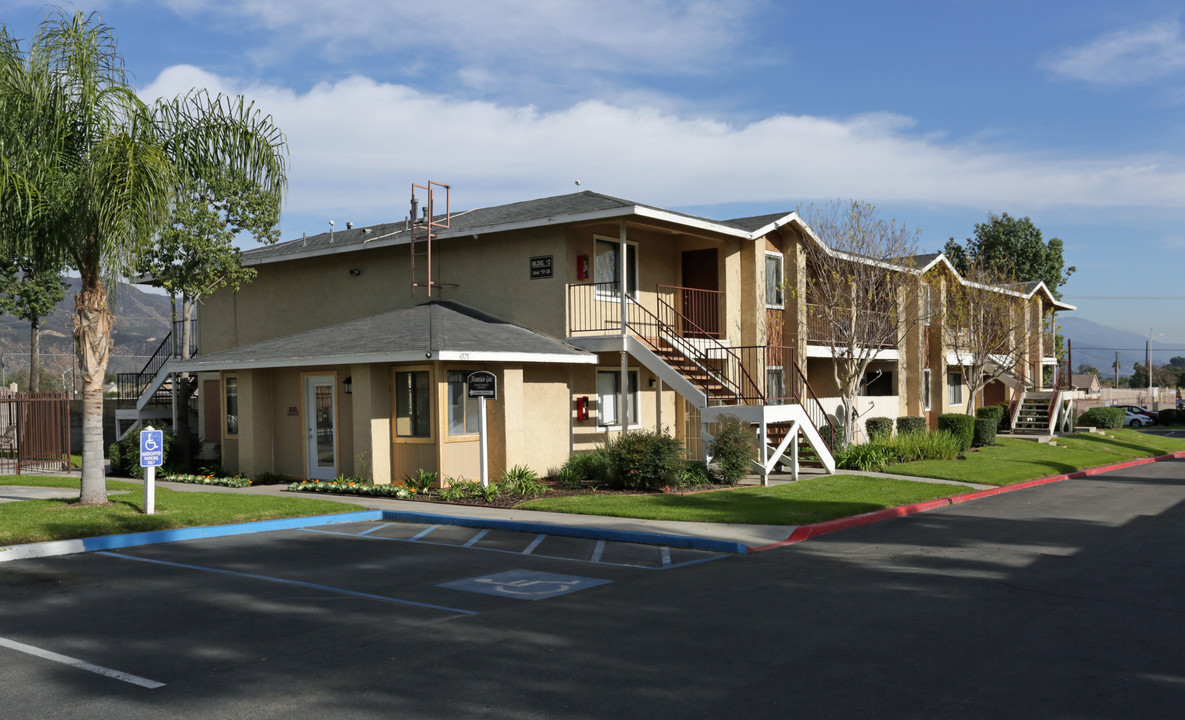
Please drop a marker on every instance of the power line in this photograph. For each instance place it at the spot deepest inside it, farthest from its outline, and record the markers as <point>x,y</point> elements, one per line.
<point>1127,297</point>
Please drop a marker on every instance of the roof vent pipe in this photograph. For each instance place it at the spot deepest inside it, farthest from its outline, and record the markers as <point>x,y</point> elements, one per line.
<point>349,226</point>
<point>415,207</point>
<point>330,231</point>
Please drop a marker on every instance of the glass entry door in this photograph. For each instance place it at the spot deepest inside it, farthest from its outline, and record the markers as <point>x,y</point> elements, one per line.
<point>320,430</point>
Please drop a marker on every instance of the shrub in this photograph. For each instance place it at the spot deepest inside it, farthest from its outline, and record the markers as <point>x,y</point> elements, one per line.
<point>1005,418</point>
<point>870,457</point>
<point>960,425</point>
<point>734,449</point>
<point>984,432</point>
<point>124,454</point>
<point>878,428</point>
<point>645,460</point>
<point>421,481</point>
<point>1102,418</point>
<point>568,478</point>
<point>1168,416</point>
<point>911,425</point>
<point>590,466</point>
<point>694,474</point>
<point>990,411</point>
<point>521,480</point>
<point>231,481</point>
<point>268,478</point>
<point>912,447</point>
<point>352,487</point>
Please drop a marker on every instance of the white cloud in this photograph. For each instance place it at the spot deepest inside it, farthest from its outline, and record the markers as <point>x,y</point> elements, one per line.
<point>1125,57</point>
<point>668,36</point>
<point>357,144</point>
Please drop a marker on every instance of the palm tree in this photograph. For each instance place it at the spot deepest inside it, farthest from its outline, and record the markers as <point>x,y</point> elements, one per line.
<point>89,173</point>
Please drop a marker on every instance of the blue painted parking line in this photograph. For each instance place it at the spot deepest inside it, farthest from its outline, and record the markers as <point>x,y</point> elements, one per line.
<point>525,584</point>
<point>666,557</point>
<point>285,581</point>
<point>376,527</point>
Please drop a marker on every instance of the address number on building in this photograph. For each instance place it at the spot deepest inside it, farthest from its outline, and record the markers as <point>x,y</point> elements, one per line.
<point>541,267</point>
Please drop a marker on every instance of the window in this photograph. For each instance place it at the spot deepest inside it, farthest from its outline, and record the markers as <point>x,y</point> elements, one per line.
<point>608,266</point>
<point>463,411</point>
<point>879,383</point>
<point>774,281</point>
<point>608,393</point>
<point>775,385</point>
<point>927,308</point>
<point>413,407</point>
<point>232,406</point>
<point>955,380</point>
<point>926,376</point>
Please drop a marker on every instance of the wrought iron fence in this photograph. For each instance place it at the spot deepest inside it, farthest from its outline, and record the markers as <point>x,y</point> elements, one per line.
<point>34,432</point>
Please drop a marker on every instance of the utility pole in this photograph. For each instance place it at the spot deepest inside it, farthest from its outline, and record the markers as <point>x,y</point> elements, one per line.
<point>1116,367</point>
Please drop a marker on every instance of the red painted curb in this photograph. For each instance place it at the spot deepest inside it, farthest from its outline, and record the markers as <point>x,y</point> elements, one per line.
<point>806,532</point>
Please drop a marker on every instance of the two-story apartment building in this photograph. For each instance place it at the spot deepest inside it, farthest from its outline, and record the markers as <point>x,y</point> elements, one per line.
<point>349,352</point>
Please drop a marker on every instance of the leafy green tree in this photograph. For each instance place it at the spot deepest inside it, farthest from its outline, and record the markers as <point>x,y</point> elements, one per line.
<point>1087,369</point>
<point>195,254</point>
<point>1139,378</point>
<point>30,288</point>
<point>81,152</point>
<point>1012,247</point>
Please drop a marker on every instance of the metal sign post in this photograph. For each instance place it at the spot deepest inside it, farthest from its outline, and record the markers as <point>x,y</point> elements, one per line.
<point>482,384</point>
<point>152,456</point>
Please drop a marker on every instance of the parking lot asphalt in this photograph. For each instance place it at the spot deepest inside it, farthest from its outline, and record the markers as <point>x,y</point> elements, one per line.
<point>1059,601</point>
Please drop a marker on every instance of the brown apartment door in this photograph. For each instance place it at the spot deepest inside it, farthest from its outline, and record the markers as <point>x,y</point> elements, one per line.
<point>702,309</point>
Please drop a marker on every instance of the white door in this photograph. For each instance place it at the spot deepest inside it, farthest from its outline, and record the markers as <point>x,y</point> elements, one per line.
<point>321,434</point>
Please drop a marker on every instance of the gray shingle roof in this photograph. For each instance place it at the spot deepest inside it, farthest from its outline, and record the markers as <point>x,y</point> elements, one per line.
<point>468,222</point>
<point>436,330</point>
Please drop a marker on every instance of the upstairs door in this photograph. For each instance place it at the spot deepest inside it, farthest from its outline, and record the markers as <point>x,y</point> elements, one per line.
<point>320,427</point>
<point>700,303</point>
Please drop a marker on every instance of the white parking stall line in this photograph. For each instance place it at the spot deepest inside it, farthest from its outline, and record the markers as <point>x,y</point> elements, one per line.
<point>666,556</point>
<point>534,544</point>
<point>376,527</point>
<point>422,534</point>
<point>598,551</point>
<point>476,538</point>
<point>81,664</point>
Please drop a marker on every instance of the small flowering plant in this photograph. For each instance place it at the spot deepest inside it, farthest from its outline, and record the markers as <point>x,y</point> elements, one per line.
<point>352,486</point>
<point>236,481</point>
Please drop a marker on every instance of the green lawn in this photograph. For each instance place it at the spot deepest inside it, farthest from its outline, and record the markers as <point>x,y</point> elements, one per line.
<point>1012,461</point>
<point>41,520</point>
<point>807,501</point>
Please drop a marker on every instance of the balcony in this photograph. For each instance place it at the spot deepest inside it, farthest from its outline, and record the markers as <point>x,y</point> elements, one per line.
<point>876,326</point>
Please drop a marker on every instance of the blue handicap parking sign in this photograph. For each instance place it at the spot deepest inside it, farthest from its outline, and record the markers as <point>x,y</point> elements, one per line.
<point>525,584</point>
<point>152,448</point>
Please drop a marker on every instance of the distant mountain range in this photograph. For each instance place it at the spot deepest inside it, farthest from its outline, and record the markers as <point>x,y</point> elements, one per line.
<point>142,320</point>
<point>1096,345</point>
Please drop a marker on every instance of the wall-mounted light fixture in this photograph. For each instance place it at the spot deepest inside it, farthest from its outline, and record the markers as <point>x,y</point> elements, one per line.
<point>355,272</point>
<point>348,385</point>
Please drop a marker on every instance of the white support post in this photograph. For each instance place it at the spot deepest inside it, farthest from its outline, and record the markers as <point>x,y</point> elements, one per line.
<point>622,265</point>
<point>485,455</point>
<point>764,445</point>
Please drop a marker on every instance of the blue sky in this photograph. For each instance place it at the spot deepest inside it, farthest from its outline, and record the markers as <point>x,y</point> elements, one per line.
<point>938,112</point>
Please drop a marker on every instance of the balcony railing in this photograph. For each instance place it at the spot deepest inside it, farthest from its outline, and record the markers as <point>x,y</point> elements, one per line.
<point>703,310</point>
<point>876,328</point>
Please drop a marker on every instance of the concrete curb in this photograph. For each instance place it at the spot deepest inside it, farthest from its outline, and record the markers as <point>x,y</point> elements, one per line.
<point>806,532</point>
<point>115,542</point>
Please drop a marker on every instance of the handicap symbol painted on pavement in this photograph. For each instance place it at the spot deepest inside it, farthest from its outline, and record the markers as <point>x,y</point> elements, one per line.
<point>525,584</point>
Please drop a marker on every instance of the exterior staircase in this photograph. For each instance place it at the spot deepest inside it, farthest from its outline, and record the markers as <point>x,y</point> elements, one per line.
<point>721,380</point>
<point>1033,416</point>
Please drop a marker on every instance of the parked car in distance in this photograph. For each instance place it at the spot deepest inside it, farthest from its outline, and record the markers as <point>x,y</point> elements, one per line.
<point>1138,416</point>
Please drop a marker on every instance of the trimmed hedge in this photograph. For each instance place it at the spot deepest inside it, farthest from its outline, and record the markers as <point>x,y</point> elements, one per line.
<point>985,431</point>
<point>1005,418</point>
<point>1169,416</point>
<point>1103,418</point>
<point>645,460</point>
<point>878,428</point>
<point>911,425</point>
<point>960,425</point>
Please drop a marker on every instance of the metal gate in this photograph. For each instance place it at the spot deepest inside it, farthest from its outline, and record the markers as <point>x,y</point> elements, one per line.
<point>34,432</point>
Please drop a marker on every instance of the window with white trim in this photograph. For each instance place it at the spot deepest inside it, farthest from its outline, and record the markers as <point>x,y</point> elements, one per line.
<point>609,393</point>
<point>463,411</point>
<point>775,280</point>
<point>927,376</point>
<point>775,385</point>
<point>955,382</point>
<point>607,268</point>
